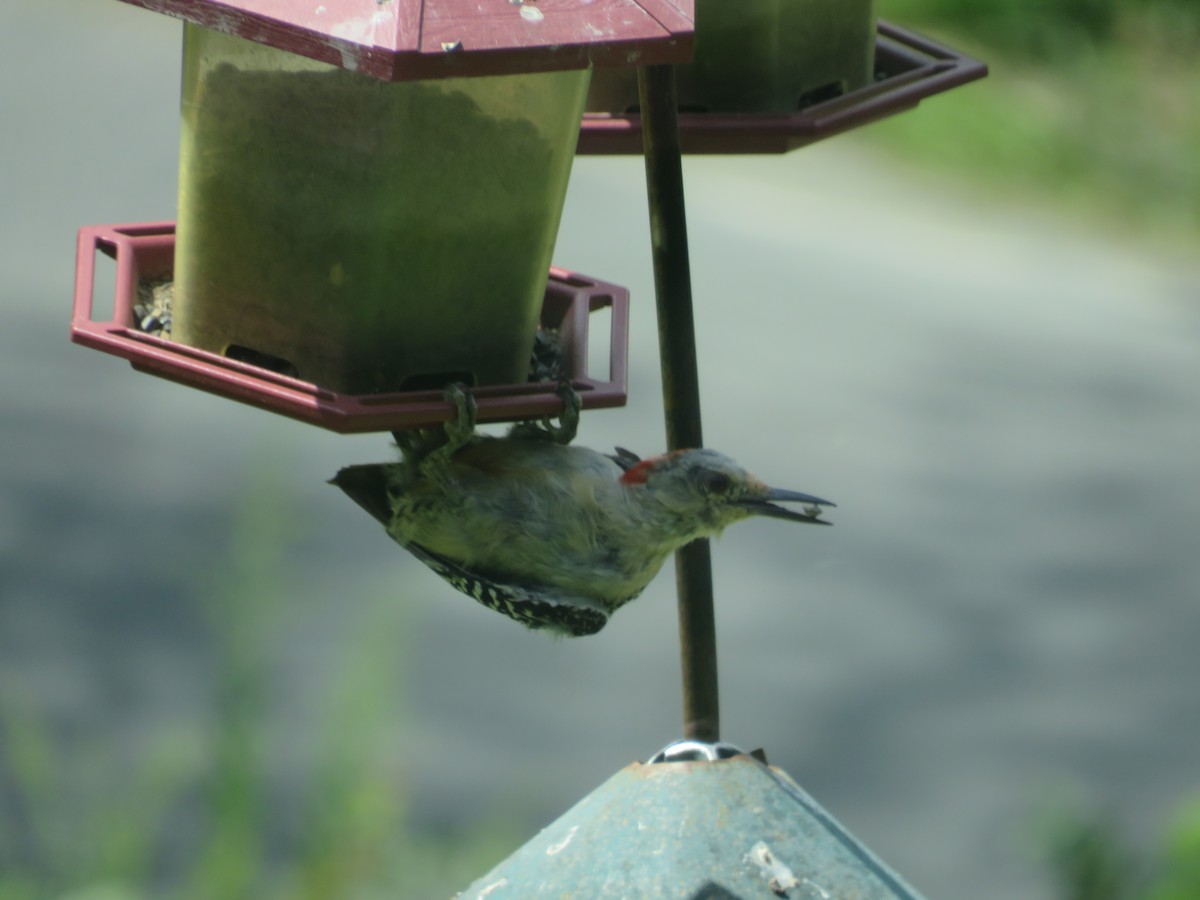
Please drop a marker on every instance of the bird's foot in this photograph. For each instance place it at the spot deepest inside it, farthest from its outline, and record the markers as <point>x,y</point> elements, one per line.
<point>461,428</point>
<point>429,449</point>
<point>546,430</point>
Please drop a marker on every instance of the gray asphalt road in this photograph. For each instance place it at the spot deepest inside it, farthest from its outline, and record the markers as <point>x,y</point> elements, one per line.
<point>1006,410</point>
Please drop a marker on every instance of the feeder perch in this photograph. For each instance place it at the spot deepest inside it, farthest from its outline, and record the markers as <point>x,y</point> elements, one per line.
<point>145,254</point>
<point>907,69</point>
<point>370,190</point>
<point>699,821</point>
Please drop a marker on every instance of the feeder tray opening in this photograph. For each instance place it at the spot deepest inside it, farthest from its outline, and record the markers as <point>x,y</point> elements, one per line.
<point>142,321</point>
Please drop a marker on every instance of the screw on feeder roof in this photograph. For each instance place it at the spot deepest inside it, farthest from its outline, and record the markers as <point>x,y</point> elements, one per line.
<point>399,40</point>
<point>695,751</point>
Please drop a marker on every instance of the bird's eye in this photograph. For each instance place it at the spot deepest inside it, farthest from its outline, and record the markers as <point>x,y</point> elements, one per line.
<point>716,483</point>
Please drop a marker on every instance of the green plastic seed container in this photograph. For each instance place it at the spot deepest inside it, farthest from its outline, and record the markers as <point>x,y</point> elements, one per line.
<point>762,56</point>
<point>363,235</point>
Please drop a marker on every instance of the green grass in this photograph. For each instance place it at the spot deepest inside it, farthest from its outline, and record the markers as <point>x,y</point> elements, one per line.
<point>1093,107</point>
<point>83,821</point>
<point>1090,858</point>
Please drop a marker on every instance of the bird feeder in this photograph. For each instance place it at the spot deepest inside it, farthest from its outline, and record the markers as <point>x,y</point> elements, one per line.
<point>805,105</point>
<point>370,190</point>
<point>700,820</point>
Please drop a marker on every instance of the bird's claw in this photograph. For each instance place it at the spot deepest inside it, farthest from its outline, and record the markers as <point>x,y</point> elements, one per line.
<point>429,450</point>
<point>460,429</point>
<point>546,430</point>
<point>568,420</point>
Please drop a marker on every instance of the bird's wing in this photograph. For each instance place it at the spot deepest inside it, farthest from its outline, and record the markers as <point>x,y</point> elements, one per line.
<point>533,607</point>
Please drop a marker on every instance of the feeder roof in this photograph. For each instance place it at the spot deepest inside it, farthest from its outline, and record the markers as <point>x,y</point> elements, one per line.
<point>397,40</point>
<point>726,828</point>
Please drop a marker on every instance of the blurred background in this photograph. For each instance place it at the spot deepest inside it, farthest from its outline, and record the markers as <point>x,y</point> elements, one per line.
<point>975,326</point>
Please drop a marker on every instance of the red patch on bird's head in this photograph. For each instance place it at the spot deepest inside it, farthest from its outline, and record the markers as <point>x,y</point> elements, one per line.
<point>640,471</point>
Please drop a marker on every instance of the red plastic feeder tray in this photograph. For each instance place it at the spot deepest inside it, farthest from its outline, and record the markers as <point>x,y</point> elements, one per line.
<point>147,252</point>
<point>908,67</point>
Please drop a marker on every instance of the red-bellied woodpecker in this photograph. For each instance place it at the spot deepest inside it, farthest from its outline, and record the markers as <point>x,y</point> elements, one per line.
<point>554,536</point>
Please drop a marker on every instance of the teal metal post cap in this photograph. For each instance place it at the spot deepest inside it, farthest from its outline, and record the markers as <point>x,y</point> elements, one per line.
<point>712,828</point>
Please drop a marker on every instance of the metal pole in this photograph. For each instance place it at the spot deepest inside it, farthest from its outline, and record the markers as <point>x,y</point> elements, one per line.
<point>681,386</point>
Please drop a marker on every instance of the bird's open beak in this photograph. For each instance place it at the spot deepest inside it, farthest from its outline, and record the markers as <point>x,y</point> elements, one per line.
<point>810,514</point>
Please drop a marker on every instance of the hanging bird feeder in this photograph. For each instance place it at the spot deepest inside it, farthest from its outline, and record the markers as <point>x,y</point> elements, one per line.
<point>827,74</point>
<point>369,195</point>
